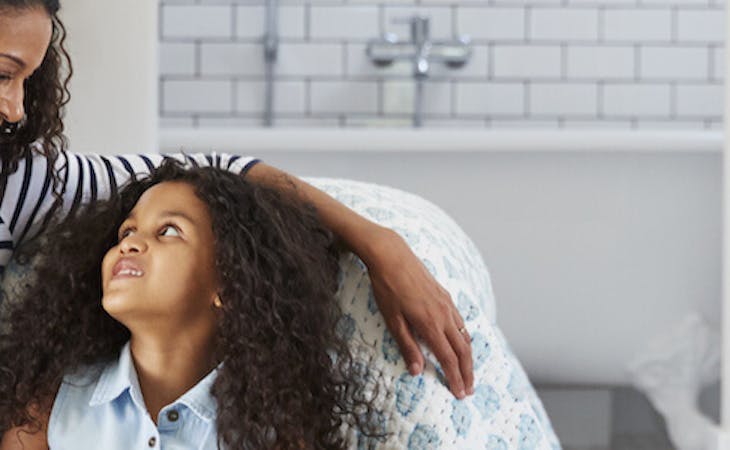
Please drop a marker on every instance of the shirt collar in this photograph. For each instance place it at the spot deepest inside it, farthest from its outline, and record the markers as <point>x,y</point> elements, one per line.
<point>199,399</point>
<point>120,376</point>
<point>115,379</point>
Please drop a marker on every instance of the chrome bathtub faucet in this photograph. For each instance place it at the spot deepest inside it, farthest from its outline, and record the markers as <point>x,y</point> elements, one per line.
<point>421,50</point>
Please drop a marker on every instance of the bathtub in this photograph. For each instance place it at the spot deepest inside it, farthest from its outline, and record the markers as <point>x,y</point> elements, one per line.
<point>596,241</point>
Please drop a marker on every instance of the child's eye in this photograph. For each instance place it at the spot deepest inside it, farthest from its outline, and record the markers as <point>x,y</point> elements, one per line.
<point>169,230</point>
<point>124,233</point>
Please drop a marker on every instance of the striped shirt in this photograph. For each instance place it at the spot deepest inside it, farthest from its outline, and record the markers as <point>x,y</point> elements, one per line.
<point>28,196</point>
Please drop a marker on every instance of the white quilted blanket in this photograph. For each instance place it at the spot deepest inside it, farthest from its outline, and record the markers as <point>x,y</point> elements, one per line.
<point>420,413</point>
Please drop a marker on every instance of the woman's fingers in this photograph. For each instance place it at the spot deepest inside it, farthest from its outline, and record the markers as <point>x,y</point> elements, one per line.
<point>465,354</point>
<point>449,359</point>
<point>413,302</point>
<point>407,344</point>
<point>461,343</point>
<point>451,347</point>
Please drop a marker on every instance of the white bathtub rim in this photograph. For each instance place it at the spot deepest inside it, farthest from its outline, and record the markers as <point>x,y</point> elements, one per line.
<point>256,141</point>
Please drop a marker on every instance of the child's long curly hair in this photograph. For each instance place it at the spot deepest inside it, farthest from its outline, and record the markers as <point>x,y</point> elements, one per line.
<point>287,380</point>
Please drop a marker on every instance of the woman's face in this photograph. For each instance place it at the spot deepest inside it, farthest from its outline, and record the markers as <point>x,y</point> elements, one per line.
<point>162,271</point>
<point>24,38</point>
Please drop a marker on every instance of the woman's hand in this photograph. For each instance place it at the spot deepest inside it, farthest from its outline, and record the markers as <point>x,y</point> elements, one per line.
<point>408,296</point>
<point>411,300</point>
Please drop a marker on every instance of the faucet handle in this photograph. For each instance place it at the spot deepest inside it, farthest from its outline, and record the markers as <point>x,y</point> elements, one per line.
<point>419,24</point>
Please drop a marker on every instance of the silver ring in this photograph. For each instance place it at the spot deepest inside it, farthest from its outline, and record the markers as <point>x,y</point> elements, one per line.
<point>462,330</point>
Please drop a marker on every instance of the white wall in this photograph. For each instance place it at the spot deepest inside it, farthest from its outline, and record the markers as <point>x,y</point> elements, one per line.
<point>113,47</point>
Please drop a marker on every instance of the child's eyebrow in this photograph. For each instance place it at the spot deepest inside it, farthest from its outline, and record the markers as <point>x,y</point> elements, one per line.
<point>179,214</point>
<point>171,213</point>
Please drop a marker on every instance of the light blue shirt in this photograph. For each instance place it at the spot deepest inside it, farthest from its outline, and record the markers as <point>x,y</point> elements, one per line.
<point>104,409</point>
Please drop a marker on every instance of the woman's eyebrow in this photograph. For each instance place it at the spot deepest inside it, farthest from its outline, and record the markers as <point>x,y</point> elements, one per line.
<point>15,59</point>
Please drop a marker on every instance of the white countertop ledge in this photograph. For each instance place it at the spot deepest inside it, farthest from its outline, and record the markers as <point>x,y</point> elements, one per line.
<point>257,140</point>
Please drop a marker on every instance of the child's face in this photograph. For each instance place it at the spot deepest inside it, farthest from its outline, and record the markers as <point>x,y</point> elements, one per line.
<point>162,272</point>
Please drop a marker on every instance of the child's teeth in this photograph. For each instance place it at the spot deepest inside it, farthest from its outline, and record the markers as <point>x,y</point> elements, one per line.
<point>134,273</point>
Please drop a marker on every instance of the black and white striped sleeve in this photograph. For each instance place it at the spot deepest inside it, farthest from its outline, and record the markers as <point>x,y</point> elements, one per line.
<point>28,196</point>
<point>111,172</point>
<point>25,199</point>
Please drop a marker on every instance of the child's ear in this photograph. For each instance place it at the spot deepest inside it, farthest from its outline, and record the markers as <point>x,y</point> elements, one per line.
<point>217,301</point>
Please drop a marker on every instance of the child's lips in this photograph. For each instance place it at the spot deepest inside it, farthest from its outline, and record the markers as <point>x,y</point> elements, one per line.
<point>127,268</point>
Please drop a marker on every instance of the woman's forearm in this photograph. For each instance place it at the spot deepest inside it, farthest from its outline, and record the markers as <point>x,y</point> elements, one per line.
<point>357,233</point>
<point>408,296</point>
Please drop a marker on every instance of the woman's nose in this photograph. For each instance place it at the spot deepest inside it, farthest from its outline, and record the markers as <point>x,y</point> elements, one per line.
<point>132,244</point>
<point>11,103</point>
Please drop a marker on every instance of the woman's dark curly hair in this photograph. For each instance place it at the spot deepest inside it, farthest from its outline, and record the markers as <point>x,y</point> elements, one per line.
<point>288,379</point>
<point>46,93</point>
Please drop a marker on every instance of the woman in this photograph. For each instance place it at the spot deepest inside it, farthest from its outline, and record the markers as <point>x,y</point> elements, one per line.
<point>39,175</point>
<point>185,312</point>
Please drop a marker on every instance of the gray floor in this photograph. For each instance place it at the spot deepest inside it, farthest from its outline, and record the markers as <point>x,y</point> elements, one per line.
<point>612,418</point>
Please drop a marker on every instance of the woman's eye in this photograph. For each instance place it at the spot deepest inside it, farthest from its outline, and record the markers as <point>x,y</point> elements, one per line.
<point>169,230</point>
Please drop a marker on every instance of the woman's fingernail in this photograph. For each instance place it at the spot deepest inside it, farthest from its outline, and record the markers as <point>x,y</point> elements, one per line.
<point>415,369</point>
<point>471,390</point>
<point>461,394</point>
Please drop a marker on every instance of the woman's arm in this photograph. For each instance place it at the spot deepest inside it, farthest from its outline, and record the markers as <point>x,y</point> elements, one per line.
<point>406,293</point>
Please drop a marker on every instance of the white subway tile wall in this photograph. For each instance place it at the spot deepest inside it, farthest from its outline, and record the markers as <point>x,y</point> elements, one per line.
<point>231,59</point>
<point>637,25</point>
<point>674,63</point>
<point>491,99</point>
<point>600,62</point>
<point>398,97</point>
<point>637,100</point>
<point>573,100</point>
<point>341,97</point>
<point>527,61</point>
<point>396,20</point>
<point>604,64</point>
<point>549,24</point>
<point>336,22</point>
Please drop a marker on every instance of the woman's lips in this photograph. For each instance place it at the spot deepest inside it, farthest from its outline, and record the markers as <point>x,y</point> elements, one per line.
<point>127,268</point>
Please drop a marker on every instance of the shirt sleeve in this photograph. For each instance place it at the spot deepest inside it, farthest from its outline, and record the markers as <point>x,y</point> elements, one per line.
<point>112,172</point>
<point>28,198</point>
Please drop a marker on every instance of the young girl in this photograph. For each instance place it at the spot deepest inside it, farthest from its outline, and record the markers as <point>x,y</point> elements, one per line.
<point>193,311</point>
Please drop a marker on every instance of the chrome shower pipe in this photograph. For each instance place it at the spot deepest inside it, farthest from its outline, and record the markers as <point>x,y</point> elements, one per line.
<point>418,103</point>
<point>271,50</point>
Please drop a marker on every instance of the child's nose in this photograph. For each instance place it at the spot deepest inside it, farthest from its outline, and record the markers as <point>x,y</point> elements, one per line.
<point>133,244</point>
